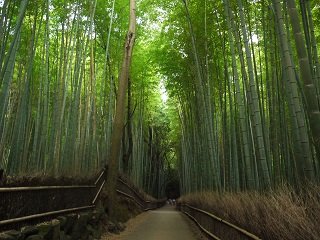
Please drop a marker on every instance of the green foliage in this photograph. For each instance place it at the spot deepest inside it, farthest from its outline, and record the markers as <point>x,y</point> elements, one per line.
<point>222,114</point>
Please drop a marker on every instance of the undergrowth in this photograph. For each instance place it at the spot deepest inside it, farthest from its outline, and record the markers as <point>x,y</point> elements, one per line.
<point>280,214</point>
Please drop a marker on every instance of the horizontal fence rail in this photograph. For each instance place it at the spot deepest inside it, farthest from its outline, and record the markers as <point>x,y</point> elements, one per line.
<point>215,227</point>
<point>29,205</point>
<point>18,203</point>
<point>21,205</point>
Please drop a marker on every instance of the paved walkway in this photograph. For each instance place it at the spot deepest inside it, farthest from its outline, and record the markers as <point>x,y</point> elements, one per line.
<point>163,224</point>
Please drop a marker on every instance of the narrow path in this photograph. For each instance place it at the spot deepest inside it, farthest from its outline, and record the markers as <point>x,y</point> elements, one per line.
<point>162,224</point>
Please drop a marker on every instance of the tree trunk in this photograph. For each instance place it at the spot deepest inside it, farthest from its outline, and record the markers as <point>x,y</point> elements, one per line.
<point>120,110</point>
<point>128,152</point>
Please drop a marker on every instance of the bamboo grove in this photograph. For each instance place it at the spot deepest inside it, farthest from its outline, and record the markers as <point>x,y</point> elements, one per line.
<point>59,66</point>
<point>245,77</point>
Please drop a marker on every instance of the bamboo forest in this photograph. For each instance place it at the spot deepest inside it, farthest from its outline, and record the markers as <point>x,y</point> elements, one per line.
<point>192,97</point>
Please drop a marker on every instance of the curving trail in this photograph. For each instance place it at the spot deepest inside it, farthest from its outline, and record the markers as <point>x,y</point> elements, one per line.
<point>162,224</point>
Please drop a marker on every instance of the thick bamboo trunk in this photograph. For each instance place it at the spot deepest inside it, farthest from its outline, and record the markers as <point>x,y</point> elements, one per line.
<point>303,159</point>
<point>306,74</point>
<point>120,111</point>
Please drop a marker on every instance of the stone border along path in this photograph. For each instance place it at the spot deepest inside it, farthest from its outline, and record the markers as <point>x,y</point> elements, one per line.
<point>165,223</point>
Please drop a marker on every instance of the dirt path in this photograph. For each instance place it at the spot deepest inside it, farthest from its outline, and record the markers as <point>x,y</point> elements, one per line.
<point>162,224</point>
